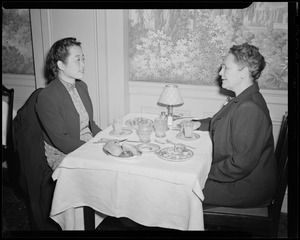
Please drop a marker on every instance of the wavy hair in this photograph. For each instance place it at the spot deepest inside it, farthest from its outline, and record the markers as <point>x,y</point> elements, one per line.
<point>58,52</point>
<point>247,55</point>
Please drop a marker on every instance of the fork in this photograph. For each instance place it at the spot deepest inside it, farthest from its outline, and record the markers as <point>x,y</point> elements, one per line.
<point>159,141</point>
<point>168,141</point>
<point>105,140</point>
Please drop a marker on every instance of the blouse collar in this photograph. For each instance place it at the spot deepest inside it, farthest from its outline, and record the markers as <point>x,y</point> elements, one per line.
<point>69,86</point>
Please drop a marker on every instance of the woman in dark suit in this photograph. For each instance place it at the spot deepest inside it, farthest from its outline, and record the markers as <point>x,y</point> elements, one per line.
<point>243,170</point>
<point>64,106</point>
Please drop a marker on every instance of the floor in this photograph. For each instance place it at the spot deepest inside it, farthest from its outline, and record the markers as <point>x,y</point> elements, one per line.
<point>15,222</point>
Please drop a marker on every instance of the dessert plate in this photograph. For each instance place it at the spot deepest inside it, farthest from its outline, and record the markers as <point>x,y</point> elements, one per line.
<point>147,147</point>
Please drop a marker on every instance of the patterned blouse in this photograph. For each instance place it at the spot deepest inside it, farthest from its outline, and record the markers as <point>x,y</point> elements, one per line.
<point>54,156</point>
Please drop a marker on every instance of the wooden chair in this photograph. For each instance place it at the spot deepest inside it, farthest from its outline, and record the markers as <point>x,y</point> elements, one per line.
<point>257,221</point>
<point>11,173</point>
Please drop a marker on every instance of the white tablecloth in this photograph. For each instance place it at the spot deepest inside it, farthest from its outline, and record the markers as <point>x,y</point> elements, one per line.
<point>150,191</point>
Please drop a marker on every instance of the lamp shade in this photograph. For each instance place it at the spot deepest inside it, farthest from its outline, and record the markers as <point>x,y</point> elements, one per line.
<point>170,96</point>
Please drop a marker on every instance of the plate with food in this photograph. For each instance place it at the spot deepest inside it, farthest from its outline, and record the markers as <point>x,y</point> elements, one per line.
<point>147,147</point>
<point>136,121</point>
<point>125,132</point>
<point>122,151</point>
<point>177,153</point>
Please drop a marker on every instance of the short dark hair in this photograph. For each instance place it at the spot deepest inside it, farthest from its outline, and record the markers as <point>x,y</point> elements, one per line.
<point>249,55</point>
<point>58,52</point>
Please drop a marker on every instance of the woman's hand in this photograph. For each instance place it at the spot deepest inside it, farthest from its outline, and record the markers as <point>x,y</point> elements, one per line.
<point>196,124</point>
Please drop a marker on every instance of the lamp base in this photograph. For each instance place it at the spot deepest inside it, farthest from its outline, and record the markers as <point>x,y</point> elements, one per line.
<point>170,116</point>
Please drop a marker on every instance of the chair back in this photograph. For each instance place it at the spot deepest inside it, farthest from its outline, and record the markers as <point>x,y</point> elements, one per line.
<point>11,172</point>
<point>281,156</point>
<point>7,98</point>
<point>37,183</point>
<point>282,138</point>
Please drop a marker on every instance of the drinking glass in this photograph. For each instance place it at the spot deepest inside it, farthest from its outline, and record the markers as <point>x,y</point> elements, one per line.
<point>144,131</point>
<point>188,129</point>
<point>160,127</point>
<point>117,125</point>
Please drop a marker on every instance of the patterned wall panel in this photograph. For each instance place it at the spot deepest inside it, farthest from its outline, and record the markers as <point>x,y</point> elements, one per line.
<point>187,45</point>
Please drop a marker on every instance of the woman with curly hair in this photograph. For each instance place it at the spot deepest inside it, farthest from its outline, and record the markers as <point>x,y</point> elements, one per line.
<point>243,170</point>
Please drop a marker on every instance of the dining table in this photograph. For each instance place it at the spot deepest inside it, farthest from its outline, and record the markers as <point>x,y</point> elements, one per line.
<point>151,189</point>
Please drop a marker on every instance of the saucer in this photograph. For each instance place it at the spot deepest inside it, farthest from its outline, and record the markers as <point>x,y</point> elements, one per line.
<point>147,147</point>
<point>124,132</point>
<point>182,137</point>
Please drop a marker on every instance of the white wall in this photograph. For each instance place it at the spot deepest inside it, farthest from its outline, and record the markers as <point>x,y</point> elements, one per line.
<point>103,34</point>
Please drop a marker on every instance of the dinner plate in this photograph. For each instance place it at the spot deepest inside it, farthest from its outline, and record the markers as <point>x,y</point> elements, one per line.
<point>182,137</point>
<point>173,155</point>
<point>126,156</point>
<point>134,122</point>
<point>125,132</point>
<point>147,147</point>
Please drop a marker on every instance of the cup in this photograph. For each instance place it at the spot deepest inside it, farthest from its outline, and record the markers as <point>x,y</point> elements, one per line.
<point>144,131</point>
<point>160,127</point>
<point>117,125</point>
<point>188,129</point>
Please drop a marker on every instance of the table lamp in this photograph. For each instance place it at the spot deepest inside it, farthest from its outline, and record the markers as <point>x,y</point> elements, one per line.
<point>170,97</point>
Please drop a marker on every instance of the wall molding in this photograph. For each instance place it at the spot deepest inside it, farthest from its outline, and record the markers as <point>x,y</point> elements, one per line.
<point>18,80</point>
<point>23,86</point>
<point>278,97</point>
<point>143,96</point>
<point>153,88</point>
<point>190,91</point>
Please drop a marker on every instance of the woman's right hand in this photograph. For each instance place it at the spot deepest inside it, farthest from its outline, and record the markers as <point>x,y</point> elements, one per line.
<point>196,124</point>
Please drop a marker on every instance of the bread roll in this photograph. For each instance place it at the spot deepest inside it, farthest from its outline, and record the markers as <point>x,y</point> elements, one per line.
<point>113,148</point>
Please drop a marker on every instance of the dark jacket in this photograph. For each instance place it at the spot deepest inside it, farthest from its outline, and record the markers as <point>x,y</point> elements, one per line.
<point>243,170</point>
<point>60,118</point>
<point>35,176</point>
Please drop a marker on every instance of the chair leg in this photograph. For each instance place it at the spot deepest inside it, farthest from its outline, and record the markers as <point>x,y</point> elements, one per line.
<point>89,218</point>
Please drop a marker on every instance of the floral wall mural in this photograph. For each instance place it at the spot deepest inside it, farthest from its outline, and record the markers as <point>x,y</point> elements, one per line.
<point>16,42</point>
<point>187,46</point>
